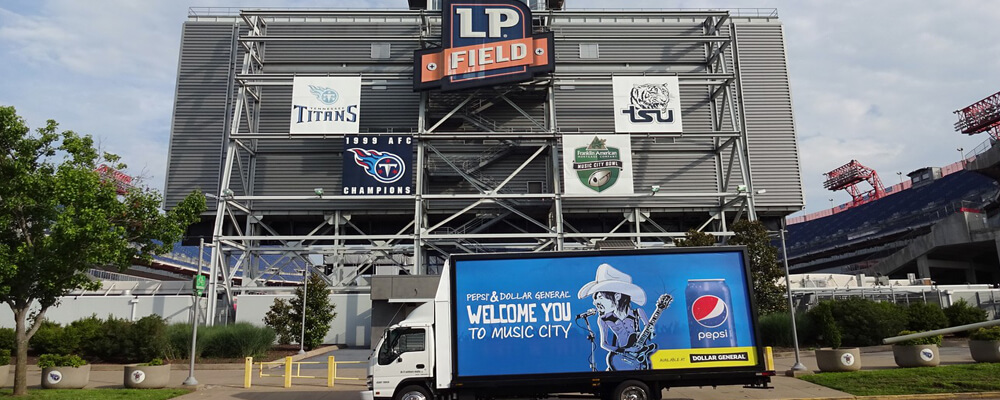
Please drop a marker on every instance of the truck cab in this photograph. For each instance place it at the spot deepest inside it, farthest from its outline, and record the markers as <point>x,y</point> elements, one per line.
<point>404,357</point>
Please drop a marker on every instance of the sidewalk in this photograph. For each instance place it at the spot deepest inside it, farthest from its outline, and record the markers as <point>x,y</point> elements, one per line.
<point>224,382</point>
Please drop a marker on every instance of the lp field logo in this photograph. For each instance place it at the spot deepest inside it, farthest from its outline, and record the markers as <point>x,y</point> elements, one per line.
<point>483,43</point>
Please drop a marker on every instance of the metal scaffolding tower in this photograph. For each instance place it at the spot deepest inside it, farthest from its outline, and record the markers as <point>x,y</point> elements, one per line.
<point>487,218</point>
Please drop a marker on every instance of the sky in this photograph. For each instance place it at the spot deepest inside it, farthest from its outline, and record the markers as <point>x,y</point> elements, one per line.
<point>873,81</point>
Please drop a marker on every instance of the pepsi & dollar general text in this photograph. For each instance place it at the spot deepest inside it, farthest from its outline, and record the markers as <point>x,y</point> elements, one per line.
<point>709,310</point>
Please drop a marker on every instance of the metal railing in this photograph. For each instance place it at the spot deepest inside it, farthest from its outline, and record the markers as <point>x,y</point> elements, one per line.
<point>293,369</point>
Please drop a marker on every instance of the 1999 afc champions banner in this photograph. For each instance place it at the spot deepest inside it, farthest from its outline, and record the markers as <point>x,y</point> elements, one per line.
<point>378,165</point>
<point>325,105</point>
<point>599,165</point>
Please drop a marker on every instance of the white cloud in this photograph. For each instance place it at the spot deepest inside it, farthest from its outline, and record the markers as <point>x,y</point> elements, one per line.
<point>872,81</point>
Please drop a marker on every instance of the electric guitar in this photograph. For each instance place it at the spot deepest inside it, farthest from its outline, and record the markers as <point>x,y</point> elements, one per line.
<point>637,351</point>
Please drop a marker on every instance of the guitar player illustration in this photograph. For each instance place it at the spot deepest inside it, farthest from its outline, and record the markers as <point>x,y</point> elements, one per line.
<point>624,329</point>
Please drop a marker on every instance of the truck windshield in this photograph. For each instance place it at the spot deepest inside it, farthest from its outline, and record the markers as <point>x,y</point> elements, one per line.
<point>399,341</point>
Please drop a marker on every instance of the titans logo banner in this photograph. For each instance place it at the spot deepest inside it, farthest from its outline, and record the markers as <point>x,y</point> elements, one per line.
<point>378,165</point>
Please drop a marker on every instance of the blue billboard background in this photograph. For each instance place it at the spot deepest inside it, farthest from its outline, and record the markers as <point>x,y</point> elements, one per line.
<point>519,316</point>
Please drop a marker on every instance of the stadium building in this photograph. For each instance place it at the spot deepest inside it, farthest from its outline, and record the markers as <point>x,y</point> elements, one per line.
<point>368,145</point>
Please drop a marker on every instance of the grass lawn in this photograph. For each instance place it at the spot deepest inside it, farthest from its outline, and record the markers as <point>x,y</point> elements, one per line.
<point>980,377</point>
<point>100,394</point>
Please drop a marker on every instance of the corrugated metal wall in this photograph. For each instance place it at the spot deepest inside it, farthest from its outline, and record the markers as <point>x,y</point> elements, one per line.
<point>296,166</point>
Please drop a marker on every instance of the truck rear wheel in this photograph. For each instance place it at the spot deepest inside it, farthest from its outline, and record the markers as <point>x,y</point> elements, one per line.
<point>632,390</point>
<point>413,392</point>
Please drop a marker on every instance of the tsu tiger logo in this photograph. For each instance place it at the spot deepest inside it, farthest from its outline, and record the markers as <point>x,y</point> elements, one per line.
<point>649,102</point>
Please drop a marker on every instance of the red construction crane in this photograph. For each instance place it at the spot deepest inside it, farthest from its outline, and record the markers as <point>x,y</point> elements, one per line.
<point>848,176</point>
<point>981,116</point>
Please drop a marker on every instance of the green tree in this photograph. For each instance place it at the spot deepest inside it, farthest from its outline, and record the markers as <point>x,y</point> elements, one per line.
<point>279,318</point>
<point>764,269</point>
<point>319,312</point>
<point>693,238</point>
<point>58,219</point>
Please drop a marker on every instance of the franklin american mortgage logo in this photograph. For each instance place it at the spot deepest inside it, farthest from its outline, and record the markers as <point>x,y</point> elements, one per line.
<point>330,111</point>
<point>484,43</point>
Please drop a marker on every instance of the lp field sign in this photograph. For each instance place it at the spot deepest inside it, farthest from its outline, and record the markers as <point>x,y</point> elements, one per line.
<point>483,43</point>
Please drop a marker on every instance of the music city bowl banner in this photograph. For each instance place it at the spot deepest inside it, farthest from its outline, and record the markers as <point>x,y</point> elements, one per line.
<point>597,164</point>
<point>596,313</point>
<point>325,105</point>
<point>647,104</point>
<point>484,43</point>
<point>378,165</point>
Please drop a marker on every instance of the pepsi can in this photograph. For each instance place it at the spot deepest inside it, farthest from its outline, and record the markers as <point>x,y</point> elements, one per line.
<point>709,310</point>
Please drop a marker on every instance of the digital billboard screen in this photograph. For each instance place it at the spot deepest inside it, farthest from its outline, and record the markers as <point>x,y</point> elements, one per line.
<point>602,312</point>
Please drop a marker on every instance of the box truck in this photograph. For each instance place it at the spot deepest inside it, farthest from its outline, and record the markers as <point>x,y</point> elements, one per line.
<point>622,325</point>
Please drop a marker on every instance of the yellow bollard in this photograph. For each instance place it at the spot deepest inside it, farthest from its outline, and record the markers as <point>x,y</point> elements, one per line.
<point>769,358</point>
<point>288,372</point>
<point>247,372</point>
<point>331,371</point>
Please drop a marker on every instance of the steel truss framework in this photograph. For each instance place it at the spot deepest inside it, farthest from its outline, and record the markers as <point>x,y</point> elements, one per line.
<point>492,218</point>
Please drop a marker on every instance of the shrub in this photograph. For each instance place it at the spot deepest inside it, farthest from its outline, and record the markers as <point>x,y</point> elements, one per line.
<point>864,322</point>
<point>56,360</point>
<point>153,363</point>
<point>4,357</point>
<point>8,340</point>
<point>776,329</point>
<point>925,317</point>
<point>991,333</point>
<point>147,339</point>
<point>88,333</point>
<point>935,340</point>
<point>238,341</point>
<point>279,318</point>
<point>113,343</point>
<point>824,326</point>
<point>962,313</point>
<point>52,338</point>
<point>179,341</point>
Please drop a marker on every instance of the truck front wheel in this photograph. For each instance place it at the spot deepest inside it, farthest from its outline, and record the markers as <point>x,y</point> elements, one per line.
<point>413,392</point>
<point>632,390</point>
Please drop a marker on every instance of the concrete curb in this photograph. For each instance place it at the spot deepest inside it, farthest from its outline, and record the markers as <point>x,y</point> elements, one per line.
<point>934,396</point>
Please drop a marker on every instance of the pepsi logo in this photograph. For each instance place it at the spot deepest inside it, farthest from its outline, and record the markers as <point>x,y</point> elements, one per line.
<point>709,311</point>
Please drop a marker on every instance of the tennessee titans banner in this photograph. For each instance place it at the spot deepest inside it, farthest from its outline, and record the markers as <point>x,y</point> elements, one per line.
<point>647,104</point>
<point>378,165</point>
<point>599,165</point>
<point>484,43</point>
<point>325,105</point>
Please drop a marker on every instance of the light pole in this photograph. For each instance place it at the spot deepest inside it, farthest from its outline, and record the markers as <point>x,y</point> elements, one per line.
<point>961,156</point>
<point>191,381</point>
<point>305,293</point>
<point>831,202</point>
<point>798,367</point>
<point>900,175</point>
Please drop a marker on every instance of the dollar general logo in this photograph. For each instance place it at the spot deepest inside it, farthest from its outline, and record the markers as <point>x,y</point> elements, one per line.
<point>597,165</point>
<point>484,43</point>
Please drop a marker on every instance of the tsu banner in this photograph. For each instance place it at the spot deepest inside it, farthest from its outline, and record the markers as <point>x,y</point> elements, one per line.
<point>325,105</point>
<point>647,104</point>
<point>597,164</point>
<point>483,43</point>
<point>378,165</point>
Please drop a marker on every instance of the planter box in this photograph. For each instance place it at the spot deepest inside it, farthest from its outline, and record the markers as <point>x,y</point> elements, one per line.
<point>985,350</point>
<point>923,355</point>
<point>838,360</point>
<point>4,373</point>
<point>66,377</point>
<point>147,377</point>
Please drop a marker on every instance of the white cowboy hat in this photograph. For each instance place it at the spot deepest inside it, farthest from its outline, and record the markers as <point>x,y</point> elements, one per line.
<point>610,279</point>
